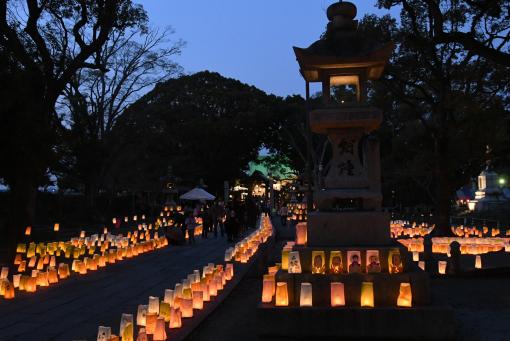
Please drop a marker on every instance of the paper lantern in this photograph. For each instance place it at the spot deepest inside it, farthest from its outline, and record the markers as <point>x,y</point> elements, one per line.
<point>159,332</point>
<point>63,270</point>
<point>441,265</point>
<point>335,262</point>
<point>52,275</point>
<point>142,335</point>
<point>56,227</point>
<point>268,289</point>
<point>301,234</point>
<point>164,311</point>
<point>305,295</point>
<point>285,259</point>
<point>478,262</point>
<point>31,284</point>
<point>187,307</point>
<point>318,262</point>
<point>205,292</point>
<point>126,330</point>
<point>153,305</point>
<point>8,290</point>
<point>4,273</point>
<point>104,333</point>
<point>281,295</point>
<point>294,263</point>
<point>367,294</point>
<point>421,265</point>
<point>395,262</point>
<point>337,294</point>
<point>416,256</point>
<point>16,280</point>
<point>169,297</point>
<point>22,266</point>
<point>175,318</point>
<point>150,325</point>
<point>141,316</point>
<point>198,300</point>
<point>405,296</point>
<point>28,230</point>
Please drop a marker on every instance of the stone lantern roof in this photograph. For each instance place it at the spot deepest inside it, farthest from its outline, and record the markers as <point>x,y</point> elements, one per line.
<point>343,48</point>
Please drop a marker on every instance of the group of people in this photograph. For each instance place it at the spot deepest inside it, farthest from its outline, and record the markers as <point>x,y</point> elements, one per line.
<point>217,218</point>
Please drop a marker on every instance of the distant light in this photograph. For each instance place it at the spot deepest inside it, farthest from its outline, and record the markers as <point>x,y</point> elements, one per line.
<point>471,205</point>
<point>502,181</point>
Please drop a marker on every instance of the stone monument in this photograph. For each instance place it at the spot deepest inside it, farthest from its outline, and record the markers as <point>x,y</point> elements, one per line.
<point>361,281</point>
<point>489,196</point>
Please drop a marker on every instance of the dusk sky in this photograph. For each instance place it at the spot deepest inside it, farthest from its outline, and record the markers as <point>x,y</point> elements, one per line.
<point>247,40</point>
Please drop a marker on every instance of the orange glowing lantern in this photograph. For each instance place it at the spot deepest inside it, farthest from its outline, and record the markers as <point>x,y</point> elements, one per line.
<point>175,318</point>
<point>141,316</point>
<point>28,230</point>
<point>56,227</point>
<point>441,266</point>
<point>405,296</point>
<point>160,332</point>
<point>478,262</point>
<point>367,294</point>
<point>198,300</point>
<point>301,234</point>
<point>186,307</point>
<point>337,294</point>
<point>150,323</point>
<point>281,295</point>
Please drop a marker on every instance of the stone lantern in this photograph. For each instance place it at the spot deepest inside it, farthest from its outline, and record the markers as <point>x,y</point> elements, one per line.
<point>348,254</point>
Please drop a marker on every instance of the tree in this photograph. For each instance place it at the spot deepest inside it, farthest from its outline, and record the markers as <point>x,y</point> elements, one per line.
<point>481,27</point>
<point>44,44</point>
<point>136,59</point>
<point>204,126</point>
<point>444,102</point>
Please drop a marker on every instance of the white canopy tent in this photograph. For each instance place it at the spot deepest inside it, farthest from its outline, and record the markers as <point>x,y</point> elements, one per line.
<point>197,194</point>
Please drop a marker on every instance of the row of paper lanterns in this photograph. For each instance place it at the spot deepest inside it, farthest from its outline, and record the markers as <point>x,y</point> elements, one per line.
<point>41,258</point>
<point>180,303</point>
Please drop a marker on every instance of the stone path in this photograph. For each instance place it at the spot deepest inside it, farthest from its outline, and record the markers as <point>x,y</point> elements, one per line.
<point>73,309</point>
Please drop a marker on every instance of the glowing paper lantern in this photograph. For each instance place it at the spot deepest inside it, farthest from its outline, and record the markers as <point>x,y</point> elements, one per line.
<point>281,295</point>
<point>8,290</point>
<point>5,273</point>
<point>405,296</point>
<point>367,294</point>
<point>56,227</point>
<point>441,265</point>
<point>104,333</point>
<point>150,325</point>
<point>337,294</point>
<point>28,230</point>
<point>141,316</point>
<point>301,234</point>
<point>305,295</point>
<point>142,335</point>
<point>169,297</point>
<point>159,332</point>
<point>164,311</point>
<point>285,259</point>
<point>126,331</point>
<point>198,300</point>
<point>416,256</point>
<point>478,262</point>
<point>175,318</point>
<point>153,305</point>
<point>187,307</point>
<point>294,262</point>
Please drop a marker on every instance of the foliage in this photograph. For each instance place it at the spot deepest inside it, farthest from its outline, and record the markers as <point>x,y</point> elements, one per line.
<point>203,125</point>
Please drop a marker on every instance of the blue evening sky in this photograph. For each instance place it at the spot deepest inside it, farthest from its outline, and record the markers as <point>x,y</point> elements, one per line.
<point>247,40</point>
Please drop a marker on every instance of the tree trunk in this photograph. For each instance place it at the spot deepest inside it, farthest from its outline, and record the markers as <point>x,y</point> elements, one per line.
<point>23,194</point>
<point>443,189</point>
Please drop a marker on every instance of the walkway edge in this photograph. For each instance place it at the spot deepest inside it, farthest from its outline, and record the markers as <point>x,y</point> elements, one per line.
<point>240,271</point>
